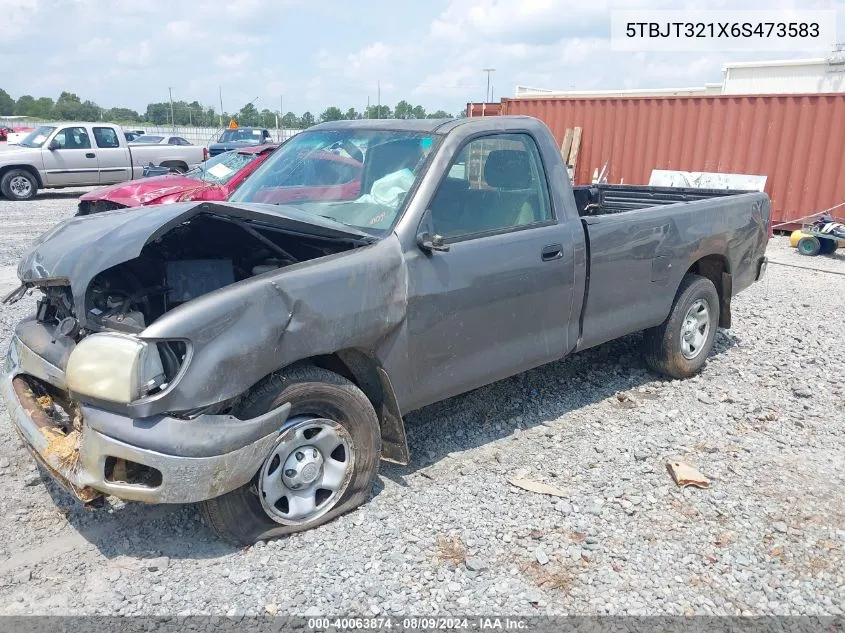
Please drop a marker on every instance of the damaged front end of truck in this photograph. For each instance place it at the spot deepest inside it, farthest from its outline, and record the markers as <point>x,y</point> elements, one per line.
<point>150,326</point>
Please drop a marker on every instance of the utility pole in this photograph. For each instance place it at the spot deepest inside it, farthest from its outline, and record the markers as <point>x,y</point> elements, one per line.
<point>280,125</point>
<point>378,107</point>
<point>487,96</point>
<point>367,111</point>
<point>221,106</point>
<point>172,120</point>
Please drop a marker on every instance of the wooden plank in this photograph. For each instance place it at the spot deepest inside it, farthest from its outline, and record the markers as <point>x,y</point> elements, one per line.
<point>576,145</point>
<point>566,146</point>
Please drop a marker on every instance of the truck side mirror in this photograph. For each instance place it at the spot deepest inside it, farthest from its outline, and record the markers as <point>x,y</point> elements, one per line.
<point>54,145</point>
<point>427,240</point>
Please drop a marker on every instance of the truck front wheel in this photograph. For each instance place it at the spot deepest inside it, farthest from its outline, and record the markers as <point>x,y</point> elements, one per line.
<point>18,184</point>
<point>679,346</point>
<point>322,464</point>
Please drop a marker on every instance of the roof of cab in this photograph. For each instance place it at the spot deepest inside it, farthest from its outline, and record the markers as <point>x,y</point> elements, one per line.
<point>401,125</point>
<point>434,126</point>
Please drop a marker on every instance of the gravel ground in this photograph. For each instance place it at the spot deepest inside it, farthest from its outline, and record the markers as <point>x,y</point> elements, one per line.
<point>449,534</point>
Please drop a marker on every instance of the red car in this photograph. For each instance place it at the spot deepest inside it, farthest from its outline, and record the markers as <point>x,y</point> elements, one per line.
<point>219,176</point>
<point>214,179</point>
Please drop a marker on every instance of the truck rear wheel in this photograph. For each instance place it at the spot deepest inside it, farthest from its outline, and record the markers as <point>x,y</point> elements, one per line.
<point>679,346</point>
<point>18,184</point>
<point>321,466</point>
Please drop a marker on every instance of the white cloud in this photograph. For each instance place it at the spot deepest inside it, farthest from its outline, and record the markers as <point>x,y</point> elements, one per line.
<point>375,54</point>
<point>368,64</point>
<point>95,45</point>
<point>180,28</point>
<point>462,21</point>
<point>233,61</point>
<point>451,81</point>
<point>140,55</point>
<point>16,17</point>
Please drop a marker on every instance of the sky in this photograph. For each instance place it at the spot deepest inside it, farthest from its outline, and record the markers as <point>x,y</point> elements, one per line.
<point>316,54</point>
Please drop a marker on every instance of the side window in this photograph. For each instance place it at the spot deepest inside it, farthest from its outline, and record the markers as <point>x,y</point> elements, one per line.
<point>73,138</point>
<point>494,184</point>
<point>106,137</point>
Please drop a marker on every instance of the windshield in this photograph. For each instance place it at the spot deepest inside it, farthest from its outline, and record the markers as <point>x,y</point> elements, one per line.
<point>140,140</point>
<point>222,168</point>
<point>240,134</point>
<point>357,177</point>
<point>37,137</point>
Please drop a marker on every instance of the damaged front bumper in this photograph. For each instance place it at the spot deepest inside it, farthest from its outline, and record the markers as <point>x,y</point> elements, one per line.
<point>90,461</point>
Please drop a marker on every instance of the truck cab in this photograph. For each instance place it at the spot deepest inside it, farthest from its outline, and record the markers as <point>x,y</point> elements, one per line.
<point>260,357</point>
<point>82,154</point>
<point>236,138</point>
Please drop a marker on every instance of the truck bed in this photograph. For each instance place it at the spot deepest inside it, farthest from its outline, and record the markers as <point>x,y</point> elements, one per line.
<point>594,200</point>
<point>641,239</point>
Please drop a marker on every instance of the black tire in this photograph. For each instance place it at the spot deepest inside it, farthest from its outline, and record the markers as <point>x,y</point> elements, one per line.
<point>238,516</point>
<point>14,189</point>
<point>828,246</point>
<point>662,344</point>
<point>809,245</point>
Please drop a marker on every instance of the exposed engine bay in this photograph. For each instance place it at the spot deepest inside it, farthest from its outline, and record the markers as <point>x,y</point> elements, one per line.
<point>201,255</point>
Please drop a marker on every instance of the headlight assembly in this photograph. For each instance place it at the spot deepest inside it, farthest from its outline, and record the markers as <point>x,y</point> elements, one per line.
<point>114,367</point>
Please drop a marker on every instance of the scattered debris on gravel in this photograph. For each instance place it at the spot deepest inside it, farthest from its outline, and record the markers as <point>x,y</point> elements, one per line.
<point>685,475</point>
<point>450,534</point>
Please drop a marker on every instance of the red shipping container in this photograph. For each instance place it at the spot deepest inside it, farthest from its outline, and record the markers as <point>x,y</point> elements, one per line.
<point>797,140</point>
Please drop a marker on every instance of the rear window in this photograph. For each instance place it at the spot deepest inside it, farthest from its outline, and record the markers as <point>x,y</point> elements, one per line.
<point>148,139</point>
<point>240,134</point>
<point>222,168</point>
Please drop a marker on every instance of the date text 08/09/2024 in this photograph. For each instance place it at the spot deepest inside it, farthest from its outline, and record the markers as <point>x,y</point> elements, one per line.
<point>419,623</point>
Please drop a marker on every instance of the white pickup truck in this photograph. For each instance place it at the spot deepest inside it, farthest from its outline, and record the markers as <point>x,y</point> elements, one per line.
<point>83,154</point>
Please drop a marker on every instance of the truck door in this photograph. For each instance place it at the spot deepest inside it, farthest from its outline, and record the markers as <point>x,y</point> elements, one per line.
<point>69,158</point>
<point>498,301</point>
<point>113,159</point>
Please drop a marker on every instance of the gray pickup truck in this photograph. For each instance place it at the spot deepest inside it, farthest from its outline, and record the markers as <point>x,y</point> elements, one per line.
<point>83,154</point>
<point>257,355</point>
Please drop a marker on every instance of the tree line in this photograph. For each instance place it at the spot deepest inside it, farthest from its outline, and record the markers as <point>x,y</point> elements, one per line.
<point>70,107</point>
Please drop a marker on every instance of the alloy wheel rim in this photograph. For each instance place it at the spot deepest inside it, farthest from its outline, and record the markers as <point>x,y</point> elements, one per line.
<point>20,186</point>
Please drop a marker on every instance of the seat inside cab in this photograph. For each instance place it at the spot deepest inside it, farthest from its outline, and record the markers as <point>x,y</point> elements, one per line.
<point>506,196</point>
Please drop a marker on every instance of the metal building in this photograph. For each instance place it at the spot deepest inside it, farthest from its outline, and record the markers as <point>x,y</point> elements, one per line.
<point>822,75</point>
<point>791,76</point>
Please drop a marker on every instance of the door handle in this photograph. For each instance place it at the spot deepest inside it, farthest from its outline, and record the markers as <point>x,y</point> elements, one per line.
<point>552,252</point>
<point>90,155</point>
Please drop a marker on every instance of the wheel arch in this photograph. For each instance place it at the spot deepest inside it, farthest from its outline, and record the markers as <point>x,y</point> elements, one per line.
<point>174,164</point>
<point>371,378</point>
<point>32,170</point>
<point>716,268</point>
